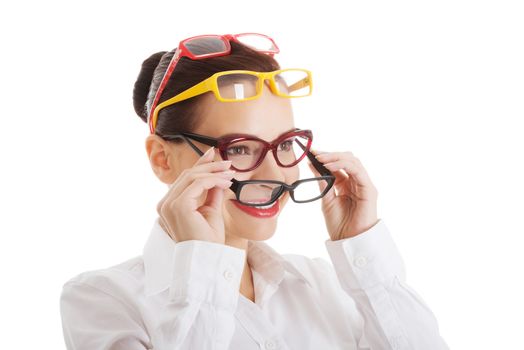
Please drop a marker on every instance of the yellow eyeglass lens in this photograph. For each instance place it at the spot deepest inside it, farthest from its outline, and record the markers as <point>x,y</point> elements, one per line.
<point>237,86</point>
<point>293,83</point>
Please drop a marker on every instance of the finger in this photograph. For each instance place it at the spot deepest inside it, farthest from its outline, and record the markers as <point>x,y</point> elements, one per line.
<point>353,168</point>
<point>344,184</point>
<point>339,176</point>
<point>334,156</point>
<point>316,152</point>
<point>206,168</point>
<point>185,180</point>
<point>207,157</point>
<point>206,163</point>
<point>210,167</point>
<point>215,198</point>
<point>189,198</point>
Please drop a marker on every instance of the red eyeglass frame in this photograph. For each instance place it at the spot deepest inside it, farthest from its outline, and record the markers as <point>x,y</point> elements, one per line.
<point>223,143</point>
<point>183,51</point>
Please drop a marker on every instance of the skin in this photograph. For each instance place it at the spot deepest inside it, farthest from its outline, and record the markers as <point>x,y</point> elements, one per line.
<point>349,207</point>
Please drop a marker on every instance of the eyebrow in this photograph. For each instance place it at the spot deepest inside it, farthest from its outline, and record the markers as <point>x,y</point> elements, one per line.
<point>240,134</point>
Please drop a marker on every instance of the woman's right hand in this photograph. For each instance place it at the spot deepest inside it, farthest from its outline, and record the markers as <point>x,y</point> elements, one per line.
<point>179,210</point>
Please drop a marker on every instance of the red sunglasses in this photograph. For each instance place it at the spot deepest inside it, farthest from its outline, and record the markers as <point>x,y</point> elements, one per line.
<point>208,46</point>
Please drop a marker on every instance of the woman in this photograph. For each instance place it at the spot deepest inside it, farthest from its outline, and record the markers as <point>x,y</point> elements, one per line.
<point>206,279</point>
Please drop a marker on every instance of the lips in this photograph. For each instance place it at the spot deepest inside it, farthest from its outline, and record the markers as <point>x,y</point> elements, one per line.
<point>258,212</point>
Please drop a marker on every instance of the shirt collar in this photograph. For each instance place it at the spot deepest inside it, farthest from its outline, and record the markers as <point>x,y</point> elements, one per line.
<point>158,261</point>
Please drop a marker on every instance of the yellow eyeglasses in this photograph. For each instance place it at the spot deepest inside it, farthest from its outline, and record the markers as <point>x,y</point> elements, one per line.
<point>245,85</point>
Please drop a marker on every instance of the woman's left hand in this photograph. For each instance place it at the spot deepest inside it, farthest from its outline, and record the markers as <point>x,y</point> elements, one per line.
<point>350,206</point>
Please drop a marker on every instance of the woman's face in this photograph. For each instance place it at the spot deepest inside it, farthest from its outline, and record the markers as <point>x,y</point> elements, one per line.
<point>267,118</point>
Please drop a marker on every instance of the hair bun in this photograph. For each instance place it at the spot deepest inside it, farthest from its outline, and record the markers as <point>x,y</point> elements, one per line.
<point>143,84</point>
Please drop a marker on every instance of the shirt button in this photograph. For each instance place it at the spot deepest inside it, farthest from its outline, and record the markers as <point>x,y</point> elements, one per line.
<point>360,261</point>
<point>269,345</point>
<point>228,275</point>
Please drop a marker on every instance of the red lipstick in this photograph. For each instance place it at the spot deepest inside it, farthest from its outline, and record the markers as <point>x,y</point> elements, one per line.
<point>258,212</point>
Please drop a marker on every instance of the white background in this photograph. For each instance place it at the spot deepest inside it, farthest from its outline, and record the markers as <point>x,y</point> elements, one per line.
<point>429,95</point>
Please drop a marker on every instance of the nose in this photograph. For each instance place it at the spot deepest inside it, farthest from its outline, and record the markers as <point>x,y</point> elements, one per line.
<point>269,169</point>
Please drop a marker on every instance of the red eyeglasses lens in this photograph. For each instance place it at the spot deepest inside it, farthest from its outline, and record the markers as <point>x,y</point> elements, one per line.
<point>206,45</point>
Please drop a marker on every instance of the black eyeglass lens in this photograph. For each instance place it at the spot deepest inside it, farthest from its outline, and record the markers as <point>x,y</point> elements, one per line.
<point>309,190</point>
<point>259,193</point>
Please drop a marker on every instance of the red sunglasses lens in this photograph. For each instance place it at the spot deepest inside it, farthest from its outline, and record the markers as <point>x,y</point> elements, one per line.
<point>202,46</point>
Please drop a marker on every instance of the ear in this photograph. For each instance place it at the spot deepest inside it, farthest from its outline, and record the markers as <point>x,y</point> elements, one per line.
<point>160,155</point>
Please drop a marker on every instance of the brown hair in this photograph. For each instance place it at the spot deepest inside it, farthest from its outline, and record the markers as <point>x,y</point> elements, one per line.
<point>183,116</point>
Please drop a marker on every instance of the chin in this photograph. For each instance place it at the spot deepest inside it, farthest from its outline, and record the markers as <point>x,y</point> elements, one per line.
<point>261,232</point>
<point>257,225</point>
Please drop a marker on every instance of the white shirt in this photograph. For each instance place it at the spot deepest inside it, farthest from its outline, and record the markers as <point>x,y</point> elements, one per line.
<point>186,296</point>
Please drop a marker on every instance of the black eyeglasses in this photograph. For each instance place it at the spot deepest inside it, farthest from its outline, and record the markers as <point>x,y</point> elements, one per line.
<point>265,192</point>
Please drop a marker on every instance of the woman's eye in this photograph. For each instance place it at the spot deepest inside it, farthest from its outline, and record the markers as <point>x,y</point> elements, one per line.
<point>237,151</point>
<point>285,146</point>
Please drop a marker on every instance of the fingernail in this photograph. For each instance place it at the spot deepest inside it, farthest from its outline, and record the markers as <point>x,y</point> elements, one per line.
<point>226,172</point>
<point>209,151</point>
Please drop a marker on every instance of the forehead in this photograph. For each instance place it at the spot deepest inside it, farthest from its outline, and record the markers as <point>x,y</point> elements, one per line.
<point>266,117</point>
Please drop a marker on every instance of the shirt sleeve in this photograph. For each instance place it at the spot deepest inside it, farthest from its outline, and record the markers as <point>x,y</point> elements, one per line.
<point>370,269</point>
<point>94,319</point>
<point>199,313</point>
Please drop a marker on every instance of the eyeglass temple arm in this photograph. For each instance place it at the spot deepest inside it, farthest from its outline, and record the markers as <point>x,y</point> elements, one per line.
<point>182,136</point>
<point>186,137</point>
<point>210,142</point>
<point>320,168</point>
<point>299,84</point>
<point>205,140</point>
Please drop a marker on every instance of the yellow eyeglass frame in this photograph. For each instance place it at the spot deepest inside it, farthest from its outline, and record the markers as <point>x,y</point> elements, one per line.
<point>211,84</point>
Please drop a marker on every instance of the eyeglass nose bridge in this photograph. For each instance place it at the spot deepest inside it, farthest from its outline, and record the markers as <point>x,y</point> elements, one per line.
<point>267,148</point>
<point>281,189</point>
<point>273,147</point>
<point>272,83</point>
<point>286,188</point>
<point>262,77</point>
